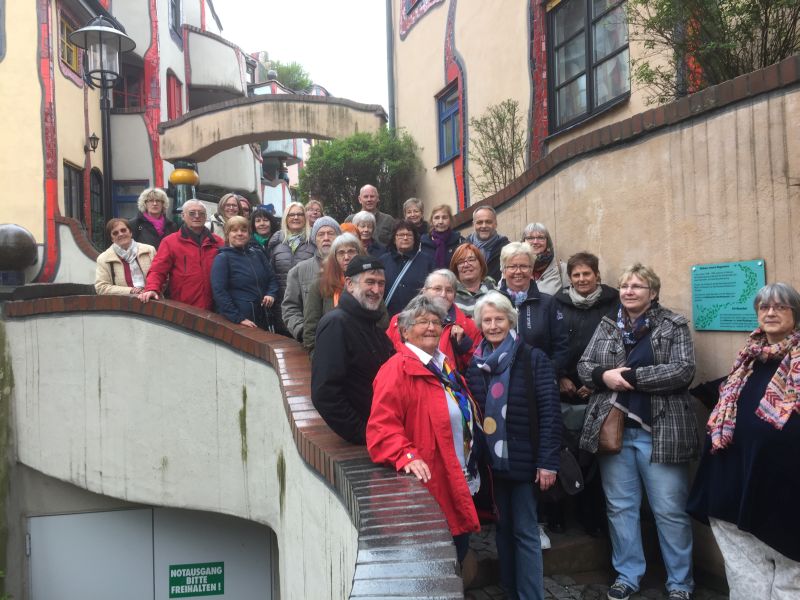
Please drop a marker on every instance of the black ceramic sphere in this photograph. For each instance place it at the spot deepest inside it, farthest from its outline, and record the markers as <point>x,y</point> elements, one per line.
<point>17,248</point>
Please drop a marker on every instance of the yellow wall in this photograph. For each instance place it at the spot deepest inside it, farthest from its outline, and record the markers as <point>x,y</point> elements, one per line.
<point>21,153</point>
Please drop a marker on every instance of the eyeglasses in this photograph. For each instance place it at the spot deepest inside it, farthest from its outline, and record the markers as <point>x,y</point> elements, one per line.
<point>535,238</point>
<point>438,289</point>
<point>778,308</point>
<point>470,260</point>
<point>153,201</point>
<point>293,215</point>
<point>634,287</point>
<point>196,213</point>
<point>435,323</point>
<point>520,268</point>
<point>118,232</point>
<point>347,252</point>
<point>404,235</point>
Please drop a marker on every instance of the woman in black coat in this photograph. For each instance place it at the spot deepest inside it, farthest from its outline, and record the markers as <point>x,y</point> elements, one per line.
<point>151,223</point>
<point>441,241</point>
<point>403,258</point>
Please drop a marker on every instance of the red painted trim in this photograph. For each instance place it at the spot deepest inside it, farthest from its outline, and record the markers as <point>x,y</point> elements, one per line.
<point>540,120</point>
<point>408,20</point>
<point>453,72</point>
<point>203,15</point>
<point>46,76</point>
<point>152,98</point>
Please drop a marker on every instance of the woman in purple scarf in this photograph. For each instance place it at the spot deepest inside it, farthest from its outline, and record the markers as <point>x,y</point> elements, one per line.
<point>151,223</point>
<point>441,241</point>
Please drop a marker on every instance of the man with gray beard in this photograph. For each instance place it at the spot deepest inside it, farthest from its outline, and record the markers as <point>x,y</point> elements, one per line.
<point>350,348</point>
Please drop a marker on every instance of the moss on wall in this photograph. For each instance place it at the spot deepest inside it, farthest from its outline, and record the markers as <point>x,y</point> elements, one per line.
<point>243,423</point>
<point>6,387</point>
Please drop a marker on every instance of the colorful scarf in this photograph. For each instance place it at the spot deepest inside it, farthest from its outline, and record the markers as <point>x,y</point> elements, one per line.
<point>294,241</point>
<point>440,242</point>
<point>781,397</point>
<point>543,261</point>
<point>458,393</point>
<point>632,332</point>
<point>159,223</point>
<point>497,363</point>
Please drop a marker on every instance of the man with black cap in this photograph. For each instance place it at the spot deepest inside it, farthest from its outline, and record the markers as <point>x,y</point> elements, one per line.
<point>350,348</point>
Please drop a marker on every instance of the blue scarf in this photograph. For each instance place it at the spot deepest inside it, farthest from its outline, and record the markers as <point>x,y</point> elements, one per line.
<point>497,363</point>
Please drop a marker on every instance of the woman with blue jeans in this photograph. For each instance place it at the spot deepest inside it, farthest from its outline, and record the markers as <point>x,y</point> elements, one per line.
<point>520,455</point>
<point>640,360</point>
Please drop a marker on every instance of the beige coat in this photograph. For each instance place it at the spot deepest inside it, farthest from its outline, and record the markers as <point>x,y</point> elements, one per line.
<point>554,278</point>
<point>109,277</point>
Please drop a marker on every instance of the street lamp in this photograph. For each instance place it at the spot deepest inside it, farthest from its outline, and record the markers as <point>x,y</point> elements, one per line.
<point>103,42</point>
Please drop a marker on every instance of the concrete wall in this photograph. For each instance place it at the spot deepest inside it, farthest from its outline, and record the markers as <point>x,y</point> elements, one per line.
<point>720,187</point>
<point>132,157</point>
<point>214,64</point>
<point>233,168</point>
<point>219,441</point>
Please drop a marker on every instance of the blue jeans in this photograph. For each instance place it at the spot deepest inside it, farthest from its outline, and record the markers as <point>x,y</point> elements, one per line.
<point>667,489</point>
<point>519,550</point>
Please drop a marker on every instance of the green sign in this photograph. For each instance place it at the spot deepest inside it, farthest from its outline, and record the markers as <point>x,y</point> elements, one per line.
<point>723,293</point>
<point>200,579</point>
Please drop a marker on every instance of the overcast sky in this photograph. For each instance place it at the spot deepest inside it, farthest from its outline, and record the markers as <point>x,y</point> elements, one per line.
<point>341,44</point>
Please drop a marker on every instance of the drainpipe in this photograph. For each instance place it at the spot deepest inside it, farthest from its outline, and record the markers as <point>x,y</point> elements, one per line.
<point>390,62</point>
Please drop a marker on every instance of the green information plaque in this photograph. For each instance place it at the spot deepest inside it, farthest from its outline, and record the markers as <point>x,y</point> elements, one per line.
<point>723,293</point>
<point>199,579</point>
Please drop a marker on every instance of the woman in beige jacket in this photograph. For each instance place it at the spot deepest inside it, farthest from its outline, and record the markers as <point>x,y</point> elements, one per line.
<point>122,269</point>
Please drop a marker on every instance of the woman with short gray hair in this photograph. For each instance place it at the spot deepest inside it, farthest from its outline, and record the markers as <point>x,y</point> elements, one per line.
<point>424,421</point>
<point>365,223</point>
<point>414,211</point>
<point>549,273</point>
<point>152,222</point>
<point>459,336</point>
<point>747,486</point>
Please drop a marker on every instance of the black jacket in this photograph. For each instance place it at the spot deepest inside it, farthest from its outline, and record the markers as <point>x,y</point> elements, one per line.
<point>525,455</point>
<point>413,279</point>
<point>427,246</point>
<point>144,232</point>
<point>580,324</point>
<point>541,324</point>
<point>350,348</point>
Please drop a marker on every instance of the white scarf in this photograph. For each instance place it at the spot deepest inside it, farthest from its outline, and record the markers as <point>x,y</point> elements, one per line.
<point>585,301</point>
<point>130,256</point>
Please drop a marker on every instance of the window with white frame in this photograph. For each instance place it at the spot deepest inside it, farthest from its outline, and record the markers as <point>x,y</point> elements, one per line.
<point>589,66</point>
<point>447,104</point>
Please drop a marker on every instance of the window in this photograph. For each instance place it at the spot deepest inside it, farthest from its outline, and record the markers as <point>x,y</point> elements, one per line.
<point>174,97</point>
<point>129,89</point>
<point>449,128</point>
<point>73,192</point>
<point>588,55</point>
<point>67,51</point>
<point>125,194</point>
<point>175,20</point>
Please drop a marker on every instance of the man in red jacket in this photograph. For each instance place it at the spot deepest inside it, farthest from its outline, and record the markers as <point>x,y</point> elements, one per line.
<point>185,257</point>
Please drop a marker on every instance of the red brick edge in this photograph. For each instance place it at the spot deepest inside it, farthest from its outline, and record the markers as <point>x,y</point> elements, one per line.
<point>780,75</point>
<point>395,516</point>
<point>79,235</point>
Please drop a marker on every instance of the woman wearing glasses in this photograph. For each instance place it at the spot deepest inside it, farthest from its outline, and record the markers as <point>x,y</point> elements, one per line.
<point>288,247</point>
<point>323,295</point>
<point>747,486</point>
<point>459,335</point>
<point>640,361</point>
<point>423,420</point>
<point>229,206</point>
<point>549,273</point>
<point>151,224</point>
<point>405,267</point>
<point>470,268</point>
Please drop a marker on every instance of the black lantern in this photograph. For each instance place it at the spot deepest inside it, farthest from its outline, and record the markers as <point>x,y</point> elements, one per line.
<point>93,141</point>
<point>103,43</point>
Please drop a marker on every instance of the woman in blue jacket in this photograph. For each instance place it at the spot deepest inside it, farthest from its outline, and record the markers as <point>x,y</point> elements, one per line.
<point>405,267</point>
<point>515,388</point>
<point>242,280</point>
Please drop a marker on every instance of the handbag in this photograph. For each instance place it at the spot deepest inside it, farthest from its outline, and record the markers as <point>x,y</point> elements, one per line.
<point>610,440</point>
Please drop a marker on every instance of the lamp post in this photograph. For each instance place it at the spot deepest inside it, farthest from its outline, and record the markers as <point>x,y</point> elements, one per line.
<point>103,42</point>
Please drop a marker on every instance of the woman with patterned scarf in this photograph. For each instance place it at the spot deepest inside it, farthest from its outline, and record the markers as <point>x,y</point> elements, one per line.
<point>521,443</point>
<point>288,247</point>
<point>441,241</point>
<point>122,269</point>
<point>640,360</point>
<point>747,486</point>
<point>424,421</point>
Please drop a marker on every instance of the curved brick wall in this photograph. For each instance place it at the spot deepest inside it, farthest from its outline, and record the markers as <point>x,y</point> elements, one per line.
<point>404,546</point>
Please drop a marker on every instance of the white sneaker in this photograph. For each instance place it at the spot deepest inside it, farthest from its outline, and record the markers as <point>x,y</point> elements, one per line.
<point>544,539</point>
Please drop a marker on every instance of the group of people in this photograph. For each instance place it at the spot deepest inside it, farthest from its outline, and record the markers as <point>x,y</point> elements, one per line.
<point>467,362</point>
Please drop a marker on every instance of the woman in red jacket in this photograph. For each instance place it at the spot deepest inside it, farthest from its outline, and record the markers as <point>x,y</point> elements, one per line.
<point>423,419</point>
<point>459,335</point>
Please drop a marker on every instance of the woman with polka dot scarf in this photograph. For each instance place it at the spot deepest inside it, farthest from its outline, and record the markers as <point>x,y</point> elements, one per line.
<point>522,435</point>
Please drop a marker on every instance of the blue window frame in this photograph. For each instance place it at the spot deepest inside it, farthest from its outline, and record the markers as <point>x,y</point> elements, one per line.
<point>125,194</point>
<point>449,128</point>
